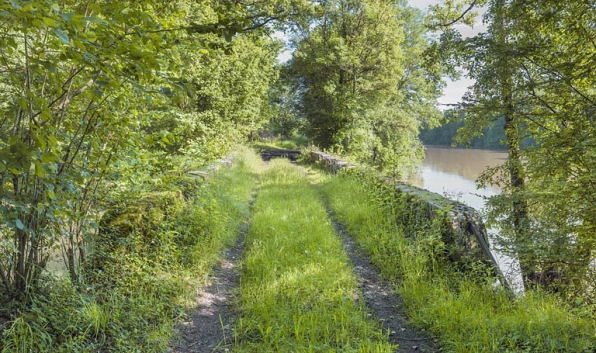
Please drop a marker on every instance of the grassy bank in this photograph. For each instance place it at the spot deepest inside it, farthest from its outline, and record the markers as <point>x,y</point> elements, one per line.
<point>152,253</point>
<point>468,314</point>
<point>298,293</point>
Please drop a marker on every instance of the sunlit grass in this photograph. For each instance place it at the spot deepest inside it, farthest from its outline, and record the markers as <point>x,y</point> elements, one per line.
<point>468,315</point>
<point>298,293</point>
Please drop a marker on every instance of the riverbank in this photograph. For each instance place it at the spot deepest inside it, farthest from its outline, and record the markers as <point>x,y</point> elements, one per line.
<point>463,309</point>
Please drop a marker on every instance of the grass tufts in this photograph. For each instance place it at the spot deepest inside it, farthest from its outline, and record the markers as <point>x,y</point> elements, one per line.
<point>298,293</point>
<point>469,314</point>
<point>152,254</point>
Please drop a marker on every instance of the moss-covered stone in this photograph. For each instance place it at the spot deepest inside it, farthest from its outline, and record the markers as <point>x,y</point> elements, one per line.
<point>461,227</point>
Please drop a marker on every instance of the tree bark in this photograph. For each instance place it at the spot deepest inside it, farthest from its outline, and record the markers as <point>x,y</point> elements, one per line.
<point>515,167</point>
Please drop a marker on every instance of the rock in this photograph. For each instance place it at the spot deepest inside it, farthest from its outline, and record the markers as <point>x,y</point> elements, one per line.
<point>464,233</point>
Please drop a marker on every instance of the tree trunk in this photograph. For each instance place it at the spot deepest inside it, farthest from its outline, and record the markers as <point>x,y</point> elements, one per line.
<point>519,212</point>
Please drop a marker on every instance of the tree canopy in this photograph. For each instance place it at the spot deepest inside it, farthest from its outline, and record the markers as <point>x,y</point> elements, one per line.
<point>531,69</point>
<point>363,83</point>
<point>103,94</point>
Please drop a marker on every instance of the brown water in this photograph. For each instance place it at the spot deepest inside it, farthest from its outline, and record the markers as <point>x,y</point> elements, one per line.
<point>452,172</point>
<point>467,163</point>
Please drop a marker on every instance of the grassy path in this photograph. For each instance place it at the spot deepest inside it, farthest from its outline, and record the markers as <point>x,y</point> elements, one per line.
<point>298,292</point>
<point>209,328</point>
<point>379,296</point>
<point>466,312</point>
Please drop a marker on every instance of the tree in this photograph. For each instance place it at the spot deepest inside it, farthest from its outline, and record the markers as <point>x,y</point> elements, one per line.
<point>89,86</point>
<point>224,97</point>
<point>361,80</point>
<point>556,42</point>
<point>70,74</point>
<point>531,69</point>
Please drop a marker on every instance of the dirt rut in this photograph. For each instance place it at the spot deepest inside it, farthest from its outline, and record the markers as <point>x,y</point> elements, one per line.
<point>384,304</point>
<point>210,329</point>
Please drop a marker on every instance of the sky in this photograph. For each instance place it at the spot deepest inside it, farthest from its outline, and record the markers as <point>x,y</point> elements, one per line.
<point>454,90</point>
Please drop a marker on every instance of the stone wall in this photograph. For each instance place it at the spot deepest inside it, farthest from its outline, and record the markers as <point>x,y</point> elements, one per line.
<point>463,233</point>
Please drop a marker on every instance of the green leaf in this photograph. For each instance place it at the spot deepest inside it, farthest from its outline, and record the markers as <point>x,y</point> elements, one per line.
<point>49,22</point>
<point>53,143</point>
<point>48,158</point>
<point>22,103</point>
<point>39,172</point>
<point>94,20</point>
<point>19,224</point>
<point>62,36</point>
<point>67,16</point>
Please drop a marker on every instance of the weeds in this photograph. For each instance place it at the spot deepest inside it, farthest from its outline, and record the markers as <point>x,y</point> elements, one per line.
<point>297,290</point>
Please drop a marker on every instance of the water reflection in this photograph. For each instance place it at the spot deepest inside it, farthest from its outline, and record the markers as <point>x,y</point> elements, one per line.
<point>467,163</point>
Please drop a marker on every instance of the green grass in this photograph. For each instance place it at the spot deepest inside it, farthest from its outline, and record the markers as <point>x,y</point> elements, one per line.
<point>298,293</point>
<point>140,277</point>
<point>468,315</point>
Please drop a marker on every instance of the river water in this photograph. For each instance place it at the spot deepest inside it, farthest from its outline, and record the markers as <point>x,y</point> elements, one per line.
<point>452,172</point>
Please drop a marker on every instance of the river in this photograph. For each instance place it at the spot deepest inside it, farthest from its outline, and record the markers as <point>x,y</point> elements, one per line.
<point>452,172</point>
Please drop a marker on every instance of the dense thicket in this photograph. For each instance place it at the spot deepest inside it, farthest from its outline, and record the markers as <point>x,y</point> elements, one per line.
<point>99,97</point>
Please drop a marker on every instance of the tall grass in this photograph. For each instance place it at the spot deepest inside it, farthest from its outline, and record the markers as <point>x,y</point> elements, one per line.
<point>141,271</point>
<point>468,314</point>
<point>297,292</point>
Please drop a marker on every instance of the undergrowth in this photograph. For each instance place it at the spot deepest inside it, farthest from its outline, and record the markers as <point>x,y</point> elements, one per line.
<point>298,293</point>
<point>291,143</point>
<point>467,313</point>
<point>152,252</point>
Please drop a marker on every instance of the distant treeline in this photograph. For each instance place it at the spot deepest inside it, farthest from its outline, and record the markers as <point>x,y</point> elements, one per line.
<point>492,138</point>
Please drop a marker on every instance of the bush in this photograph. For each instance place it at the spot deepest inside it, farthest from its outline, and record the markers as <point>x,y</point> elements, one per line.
<point>151,253</point>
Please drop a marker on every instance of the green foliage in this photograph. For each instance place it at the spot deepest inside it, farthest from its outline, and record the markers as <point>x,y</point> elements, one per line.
<point>285,121</point>
<point>295,142</point>
<point>75,79</point>
<point>363,86</point>
<point>492,136</point>
<point>297,291</point>
<point>530,68</point>
<point>88,89</point>
<point>467,312</point>
<point>145,264</point>
<point>225,98</point>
